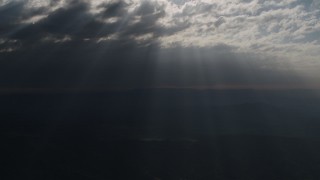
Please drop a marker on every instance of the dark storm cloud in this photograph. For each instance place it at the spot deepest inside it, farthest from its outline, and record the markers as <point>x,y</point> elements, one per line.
<point>112,9</point>
<point>76,21</point>
<point>10,14</point>
<point>73,20</point>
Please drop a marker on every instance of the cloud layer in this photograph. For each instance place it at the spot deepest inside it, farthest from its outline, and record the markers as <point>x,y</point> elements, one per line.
<point>136,43</point>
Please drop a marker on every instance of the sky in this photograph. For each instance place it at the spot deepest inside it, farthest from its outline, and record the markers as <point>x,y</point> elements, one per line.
<point>113,44</point>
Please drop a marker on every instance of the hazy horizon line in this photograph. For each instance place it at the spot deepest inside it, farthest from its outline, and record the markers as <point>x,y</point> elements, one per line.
<point>165,87</point>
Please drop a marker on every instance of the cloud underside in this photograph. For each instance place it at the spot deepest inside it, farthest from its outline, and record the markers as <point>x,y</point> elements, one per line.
<point>133,43</point>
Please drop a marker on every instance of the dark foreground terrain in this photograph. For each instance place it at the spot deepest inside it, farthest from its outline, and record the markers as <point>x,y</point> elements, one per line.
<point>162,134</point>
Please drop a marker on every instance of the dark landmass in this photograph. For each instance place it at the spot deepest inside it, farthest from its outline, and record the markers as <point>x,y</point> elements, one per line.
<point>161,134</point>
